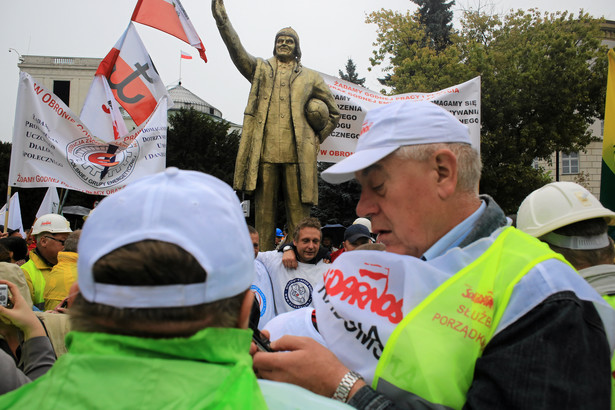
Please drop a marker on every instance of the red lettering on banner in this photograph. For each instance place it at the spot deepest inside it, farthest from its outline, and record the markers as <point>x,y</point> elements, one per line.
<point>362,293</point>
<point>339,153</point>
<point>37,89</point>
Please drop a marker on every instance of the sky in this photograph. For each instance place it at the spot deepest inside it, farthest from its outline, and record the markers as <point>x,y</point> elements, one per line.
<point>330,32</point>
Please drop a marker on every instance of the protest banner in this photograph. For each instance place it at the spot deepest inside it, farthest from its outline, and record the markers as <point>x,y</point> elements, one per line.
<point>52,147</point>
<point>353,101</point>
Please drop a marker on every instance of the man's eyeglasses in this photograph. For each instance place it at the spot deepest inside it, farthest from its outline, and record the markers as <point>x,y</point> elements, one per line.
<point>56,239</point>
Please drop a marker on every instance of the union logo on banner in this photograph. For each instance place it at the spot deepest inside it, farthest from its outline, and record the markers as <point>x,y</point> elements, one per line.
<point>52,148</point>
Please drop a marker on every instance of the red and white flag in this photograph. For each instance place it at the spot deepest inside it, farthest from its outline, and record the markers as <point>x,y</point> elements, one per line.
<point>168,16</point>
<point>126,76</point>
<point>186,55</point>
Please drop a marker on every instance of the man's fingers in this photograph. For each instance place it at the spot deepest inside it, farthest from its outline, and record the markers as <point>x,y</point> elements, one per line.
<point>290,343</point>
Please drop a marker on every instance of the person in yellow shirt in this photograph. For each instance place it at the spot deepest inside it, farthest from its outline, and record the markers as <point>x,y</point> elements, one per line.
<point>63,274</point>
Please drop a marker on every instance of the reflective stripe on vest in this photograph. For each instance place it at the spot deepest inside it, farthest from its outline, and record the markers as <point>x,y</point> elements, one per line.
<point>38,281</point>
<point>432,352</point>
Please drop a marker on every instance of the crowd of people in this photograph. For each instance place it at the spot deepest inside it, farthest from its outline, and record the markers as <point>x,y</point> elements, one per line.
<point>432,299</point>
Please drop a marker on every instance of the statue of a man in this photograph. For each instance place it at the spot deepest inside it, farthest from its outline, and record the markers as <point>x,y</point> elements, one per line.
<point>279,143</point>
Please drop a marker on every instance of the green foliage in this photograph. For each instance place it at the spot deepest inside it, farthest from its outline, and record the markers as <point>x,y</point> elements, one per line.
<point>198,142</point>
<point>436,17</point>
<point>336,202</point>
<point>351,73</point>
<point>543,83</point>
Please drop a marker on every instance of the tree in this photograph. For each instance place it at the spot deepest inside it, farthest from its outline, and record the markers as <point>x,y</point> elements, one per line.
<point>351,73</point>
<point>338,202</point>
<point>436,17</point>
<point>197,141</point>
<point>543,82</point>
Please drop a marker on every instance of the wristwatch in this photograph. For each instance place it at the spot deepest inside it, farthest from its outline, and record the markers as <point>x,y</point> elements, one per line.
<point>343,389</point>
<point>287,248</point>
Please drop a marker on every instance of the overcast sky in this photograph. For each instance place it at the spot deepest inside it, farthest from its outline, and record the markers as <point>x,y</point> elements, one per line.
<point>330,32</point>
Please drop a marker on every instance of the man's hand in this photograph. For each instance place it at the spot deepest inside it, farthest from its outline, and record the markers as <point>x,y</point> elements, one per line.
<point>219,12</point>
<point>21,315</point>
<point>289,260</point>
<point>304,362</point>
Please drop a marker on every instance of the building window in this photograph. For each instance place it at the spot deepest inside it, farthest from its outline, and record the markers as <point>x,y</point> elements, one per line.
<point>535,164</point>
<point>570,163</point>
<point>62,90</point>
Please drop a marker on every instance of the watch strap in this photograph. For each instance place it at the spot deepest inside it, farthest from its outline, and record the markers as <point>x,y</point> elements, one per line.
<point>343,389</point>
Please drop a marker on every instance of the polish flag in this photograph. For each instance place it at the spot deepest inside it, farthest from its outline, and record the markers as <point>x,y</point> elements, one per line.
<point>127,77</point>
<point>186,55</point>
<point>168,16</point>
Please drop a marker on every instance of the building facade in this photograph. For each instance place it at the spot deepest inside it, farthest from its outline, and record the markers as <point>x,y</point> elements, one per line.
<point>581,167</point>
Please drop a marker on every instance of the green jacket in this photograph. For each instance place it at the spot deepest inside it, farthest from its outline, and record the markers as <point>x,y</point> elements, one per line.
<point>211,369</point>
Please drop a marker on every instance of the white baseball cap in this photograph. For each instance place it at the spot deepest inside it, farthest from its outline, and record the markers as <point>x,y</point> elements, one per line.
<point>192,210</point>
<point>395,125</point>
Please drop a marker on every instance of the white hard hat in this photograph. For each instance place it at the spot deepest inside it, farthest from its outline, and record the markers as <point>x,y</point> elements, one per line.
<point>559,204</point>
<point>53,223</point>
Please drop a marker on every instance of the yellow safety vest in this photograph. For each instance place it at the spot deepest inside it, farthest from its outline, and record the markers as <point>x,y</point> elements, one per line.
<point>433,351</point>
<point>36,278</point>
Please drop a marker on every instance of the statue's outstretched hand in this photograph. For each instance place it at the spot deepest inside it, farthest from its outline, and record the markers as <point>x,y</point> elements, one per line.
<point>219,12</point>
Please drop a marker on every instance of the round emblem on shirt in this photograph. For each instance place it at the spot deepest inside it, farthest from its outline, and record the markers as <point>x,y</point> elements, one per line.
<point>298,293</point>
<point>260,298</point>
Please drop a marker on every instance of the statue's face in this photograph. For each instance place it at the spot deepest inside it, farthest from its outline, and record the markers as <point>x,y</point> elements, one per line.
<point>285,48</point>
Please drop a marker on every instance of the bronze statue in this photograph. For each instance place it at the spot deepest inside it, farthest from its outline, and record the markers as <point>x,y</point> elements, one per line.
<point>279,142</point>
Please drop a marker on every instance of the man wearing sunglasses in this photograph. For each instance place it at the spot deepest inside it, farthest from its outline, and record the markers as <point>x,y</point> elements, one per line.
<point>50,231</point>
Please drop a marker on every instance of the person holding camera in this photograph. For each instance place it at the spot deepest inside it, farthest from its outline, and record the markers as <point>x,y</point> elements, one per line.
<point>36,355</point>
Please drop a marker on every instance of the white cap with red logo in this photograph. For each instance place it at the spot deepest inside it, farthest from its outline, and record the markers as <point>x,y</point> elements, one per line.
<point>395,125</point>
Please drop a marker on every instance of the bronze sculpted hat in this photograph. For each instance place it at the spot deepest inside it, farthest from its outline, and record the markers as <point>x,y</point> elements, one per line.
<point>288,31</point>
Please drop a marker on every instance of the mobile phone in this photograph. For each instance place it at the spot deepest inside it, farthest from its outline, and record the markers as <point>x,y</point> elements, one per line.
<point>261,342</point>
<point>4,295</point>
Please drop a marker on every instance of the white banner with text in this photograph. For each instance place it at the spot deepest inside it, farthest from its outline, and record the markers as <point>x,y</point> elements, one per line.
<point>52,147</point>
<point>353,101</point>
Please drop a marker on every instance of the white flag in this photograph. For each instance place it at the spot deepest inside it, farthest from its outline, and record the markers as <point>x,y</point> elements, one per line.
<point>52,148</point>
<point>126,76</point>
<point>50,203</point>
<point>14,222</point>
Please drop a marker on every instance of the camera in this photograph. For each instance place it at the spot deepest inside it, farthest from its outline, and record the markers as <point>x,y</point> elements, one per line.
<point>4,295</point>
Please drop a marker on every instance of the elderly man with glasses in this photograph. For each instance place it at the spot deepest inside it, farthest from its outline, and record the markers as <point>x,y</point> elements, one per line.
<point>50,231</point>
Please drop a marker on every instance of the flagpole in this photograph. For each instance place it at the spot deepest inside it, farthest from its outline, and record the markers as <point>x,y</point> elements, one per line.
<point>65,194</point>
<point>8,207</point>
<point>180,68</point>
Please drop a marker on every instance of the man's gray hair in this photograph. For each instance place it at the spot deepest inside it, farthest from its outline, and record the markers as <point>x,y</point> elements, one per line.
<point>468,161</point>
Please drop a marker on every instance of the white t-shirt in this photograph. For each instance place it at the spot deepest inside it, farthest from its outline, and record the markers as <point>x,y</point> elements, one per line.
<point>292,288</point>
<point>263,293</point>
